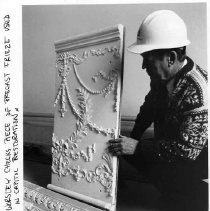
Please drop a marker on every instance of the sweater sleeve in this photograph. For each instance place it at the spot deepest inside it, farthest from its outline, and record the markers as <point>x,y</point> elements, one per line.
<point>144,118</point>
<point>187,145</point>
<point>190,141</point>
<point>186,129</point>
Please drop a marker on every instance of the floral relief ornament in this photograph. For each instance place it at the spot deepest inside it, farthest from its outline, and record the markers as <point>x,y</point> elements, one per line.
<point>84,114</point>
<point>63,150</point>
<point>63,73</point>
<point>63,64</point>
<point>103,172</point>
<point>62,153</point>
<point>48,202</point>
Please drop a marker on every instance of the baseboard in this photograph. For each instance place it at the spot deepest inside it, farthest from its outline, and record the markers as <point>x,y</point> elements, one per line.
<point>46,119</point>
<point>38,119</point>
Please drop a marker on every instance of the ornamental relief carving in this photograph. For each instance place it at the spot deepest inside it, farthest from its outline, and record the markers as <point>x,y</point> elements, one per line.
<point>65,151</point>
<point>63,148</point>
<point>83,116</point>
<point>64,62</point>
<point>28,206</point>
<point>78,60</point>
<point>45,201</point>
<point>103,172</point>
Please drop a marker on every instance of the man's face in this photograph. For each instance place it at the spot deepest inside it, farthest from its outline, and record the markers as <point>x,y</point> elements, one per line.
<point>155,67</point>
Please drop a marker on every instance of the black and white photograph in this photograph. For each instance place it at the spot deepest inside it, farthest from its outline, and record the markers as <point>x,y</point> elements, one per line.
<point>114,107</point>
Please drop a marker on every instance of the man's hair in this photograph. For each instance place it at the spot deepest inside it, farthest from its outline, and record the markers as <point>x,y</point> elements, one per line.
<point>181,53</point>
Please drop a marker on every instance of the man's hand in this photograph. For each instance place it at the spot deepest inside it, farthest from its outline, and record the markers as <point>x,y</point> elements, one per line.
<point>122,146</point>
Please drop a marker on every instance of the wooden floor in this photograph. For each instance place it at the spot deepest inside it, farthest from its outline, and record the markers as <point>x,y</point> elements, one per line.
<point>132,195</point>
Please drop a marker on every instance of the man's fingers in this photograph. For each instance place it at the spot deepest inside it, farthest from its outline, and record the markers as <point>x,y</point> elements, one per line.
<point>114,144</point>
<point>117,140</point>
<point>115,151</point>
<point>114,147</point>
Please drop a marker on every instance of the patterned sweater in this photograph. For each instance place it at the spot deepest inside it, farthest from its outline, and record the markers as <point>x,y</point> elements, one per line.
<point>180,119</point>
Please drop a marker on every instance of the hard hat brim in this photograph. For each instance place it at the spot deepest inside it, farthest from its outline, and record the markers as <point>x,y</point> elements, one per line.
<point>140,48</point>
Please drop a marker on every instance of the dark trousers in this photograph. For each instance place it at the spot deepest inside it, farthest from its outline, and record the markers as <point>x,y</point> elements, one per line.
<point>180,185</point>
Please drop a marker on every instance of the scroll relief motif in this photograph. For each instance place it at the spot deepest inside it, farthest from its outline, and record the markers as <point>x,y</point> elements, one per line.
<point>48,202</point>
<point>64,150</point>
<point>103,173</point>
<point>64,60</point>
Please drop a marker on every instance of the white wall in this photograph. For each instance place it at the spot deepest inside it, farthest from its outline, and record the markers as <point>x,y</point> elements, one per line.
<point>42,25</point>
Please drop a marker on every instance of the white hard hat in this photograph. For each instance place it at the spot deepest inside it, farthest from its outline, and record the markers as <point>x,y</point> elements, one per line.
<point>162,29</point>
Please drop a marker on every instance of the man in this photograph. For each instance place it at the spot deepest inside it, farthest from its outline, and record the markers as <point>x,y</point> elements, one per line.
<point>175,160</point>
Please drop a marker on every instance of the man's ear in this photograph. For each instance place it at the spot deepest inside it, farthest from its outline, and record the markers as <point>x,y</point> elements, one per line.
<point>172,57</point>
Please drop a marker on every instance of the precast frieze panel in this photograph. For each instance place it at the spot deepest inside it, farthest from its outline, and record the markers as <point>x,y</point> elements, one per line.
<point>87,102</point>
